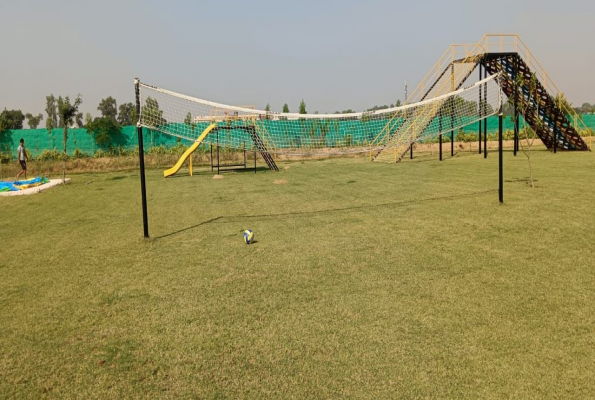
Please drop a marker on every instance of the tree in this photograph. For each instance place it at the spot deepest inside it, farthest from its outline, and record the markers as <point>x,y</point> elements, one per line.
<point>189,123</point>
<point>12,119</point>
<point>587,108</point>
<point>127,114</point>
<point>303,107</point>
<point>268,107</point>
<point>285,108</point>
<point>3,123</point>
<point>151,114</point>
<point>398,103</point>
<point>88,119</point>
<point>67,112</point>
<point>108,108</point>
<point>103,130</point>
<point>33,120</point>
<point>50,108</point>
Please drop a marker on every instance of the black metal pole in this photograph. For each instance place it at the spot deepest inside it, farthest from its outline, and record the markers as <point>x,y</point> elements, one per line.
<point>452,110</point>
<point>411,151</point>
<point>141,159</point>
<point>218,160</point>
<point>500,172</point>
<point>515,144</point>
<point>452,143</point>
<point>254,160</point>
<point>554,134</point>
<point>480,110</point>
<point>485,120</point>
<point>440,147</point>
<point>211,157</point>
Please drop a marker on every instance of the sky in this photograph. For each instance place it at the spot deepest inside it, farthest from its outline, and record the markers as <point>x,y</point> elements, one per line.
<point>333,54</point>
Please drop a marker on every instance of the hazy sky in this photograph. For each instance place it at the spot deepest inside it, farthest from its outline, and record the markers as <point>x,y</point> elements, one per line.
<point>334,54</point>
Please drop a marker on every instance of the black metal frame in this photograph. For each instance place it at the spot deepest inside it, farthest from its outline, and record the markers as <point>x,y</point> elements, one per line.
<point>229,167</point>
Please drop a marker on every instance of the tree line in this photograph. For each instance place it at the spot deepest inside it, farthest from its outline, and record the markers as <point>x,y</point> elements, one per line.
<point>62,112</point>
<point>125,114</point>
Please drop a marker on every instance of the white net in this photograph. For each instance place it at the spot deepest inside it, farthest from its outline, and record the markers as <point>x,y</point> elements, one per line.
<point>385,134</point>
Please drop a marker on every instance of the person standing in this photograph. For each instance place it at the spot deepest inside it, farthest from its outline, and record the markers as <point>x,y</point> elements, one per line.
<point>22,156</point>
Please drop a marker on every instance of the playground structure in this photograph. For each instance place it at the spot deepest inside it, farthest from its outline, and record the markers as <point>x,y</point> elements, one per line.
<point>439,105</point>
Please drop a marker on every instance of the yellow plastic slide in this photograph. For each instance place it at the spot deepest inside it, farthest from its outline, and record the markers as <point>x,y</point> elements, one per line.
<point>187,153</point>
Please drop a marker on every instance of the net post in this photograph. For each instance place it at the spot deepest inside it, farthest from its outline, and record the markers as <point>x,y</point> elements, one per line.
<point>141,158</point>
<point>485,120</point>
<point>500,172</point>
<point>411,152</point>
<point>440,147</point>
<point>554,135</point>
<point>480,110</point>
<point>516,111</point>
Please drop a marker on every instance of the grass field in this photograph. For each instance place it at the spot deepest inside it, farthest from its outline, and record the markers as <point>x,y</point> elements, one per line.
<point>366,281</point>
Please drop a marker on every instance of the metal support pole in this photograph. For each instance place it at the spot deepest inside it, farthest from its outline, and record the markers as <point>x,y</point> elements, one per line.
<point>218,160</point>
<point>452,143</point>
<point>211,157</point>
<point>452,110</point>
<point>141,158</point>
<point>411,151</point>
<point>500,172</point>
<point>480,109</point>
<point>485,120</point>
<point>440,147</point>
<point>516,111</point>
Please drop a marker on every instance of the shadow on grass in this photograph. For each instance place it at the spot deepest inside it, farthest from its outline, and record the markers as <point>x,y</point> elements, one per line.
<point>300,214</point>
<point>222,171</point>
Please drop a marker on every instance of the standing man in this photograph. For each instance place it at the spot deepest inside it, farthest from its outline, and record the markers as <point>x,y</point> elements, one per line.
<point>22,155</point>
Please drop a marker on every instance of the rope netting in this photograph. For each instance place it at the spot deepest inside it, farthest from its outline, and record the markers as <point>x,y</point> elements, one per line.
<point>384,133</point>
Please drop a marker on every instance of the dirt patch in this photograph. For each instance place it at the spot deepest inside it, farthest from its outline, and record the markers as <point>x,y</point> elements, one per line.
<point>218,177</point>
<point>287,167</point>
<point>280,182</point>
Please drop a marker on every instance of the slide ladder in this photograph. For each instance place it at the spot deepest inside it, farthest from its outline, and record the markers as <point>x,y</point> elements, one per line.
<point>262,149</point>
<point>542,111</point>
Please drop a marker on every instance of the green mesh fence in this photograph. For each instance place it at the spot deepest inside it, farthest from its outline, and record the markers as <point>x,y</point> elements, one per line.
<point>38,140</point>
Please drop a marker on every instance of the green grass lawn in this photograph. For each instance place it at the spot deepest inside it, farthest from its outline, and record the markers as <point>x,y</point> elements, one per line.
<point>367,280</point>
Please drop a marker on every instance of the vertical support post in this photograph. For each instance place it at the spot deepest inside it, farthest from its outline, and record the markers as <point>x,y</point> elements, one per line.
<point>555,140</point>
<point>516,110</point>
<point>452,110</point>
<point>211,157</point>
<point>500,170</point>
<point>190,164</point>
<point>480,110</point>
<point>218,160</point>
<point>411,151</point>
<point>254,160</point>
<point>485,120</point>
<point>141,158</point>
<point>452,143</point>
<point>440,130</point>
